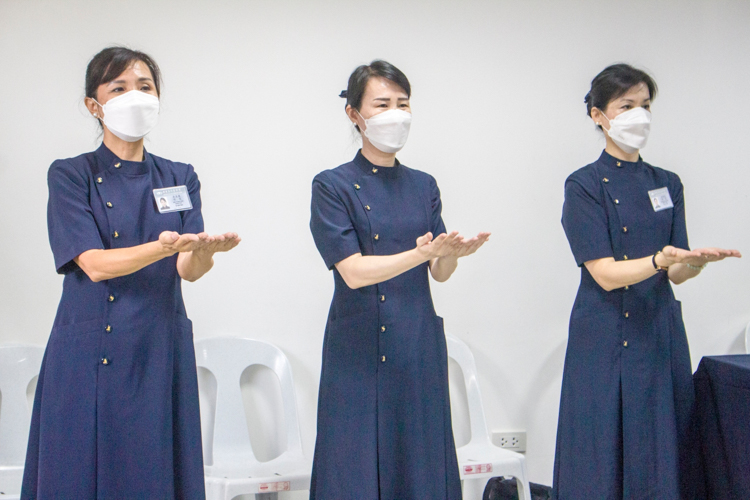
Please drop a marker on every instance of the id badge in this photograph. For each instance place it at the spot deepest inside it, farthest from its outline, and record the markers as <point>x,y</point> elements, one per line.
<point>660,199</point>
<point>172,199</point>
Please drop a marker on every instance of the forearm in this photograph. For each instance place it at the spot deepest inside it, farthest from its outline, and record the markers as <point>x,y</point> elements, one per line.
<point>102,265</point>
<point>191,266</point>
<point>680,273</point>
<point>442,268</point>
<point>611,274</point>
<point>364,270</point>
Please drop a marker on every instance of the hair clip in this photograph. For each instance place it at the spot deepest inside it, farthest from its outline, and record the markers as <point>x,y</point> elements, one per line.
<point>343,94</point>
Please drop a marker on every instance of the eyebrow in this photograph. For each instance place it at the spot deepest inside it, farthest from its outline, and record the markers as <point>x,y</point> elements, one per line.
<point>141,79</point>
<point>388,99</point>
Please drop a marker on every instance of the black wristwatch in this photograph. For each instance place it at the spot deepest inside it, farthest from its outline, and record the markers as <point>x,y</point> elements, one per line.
<point>658,268</point>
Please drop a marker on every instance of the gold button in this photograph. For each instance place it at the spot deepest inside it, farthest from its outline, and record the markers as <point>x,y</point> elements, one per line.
<point>356,186</point>
<point>377,237</point>
<point>625,257</point>
<point>382,328</point>
<point>627,314</point>
<point>108,329</point>
<point>118,165</point>
<point>374,170</point>
<point>105,361</point>
<point>627,287</point>
<point>111,298</point>
<point>109,204</point>
<point>625,344</point>
<point>382,298</point>
<point>367,207</point>
<point>617,202</point>
<point>625,229</point>
<point>382,359</point>
<point>116,234</point>
<point>605,179</point>
<point>619,164</point>
<point>99,180</point>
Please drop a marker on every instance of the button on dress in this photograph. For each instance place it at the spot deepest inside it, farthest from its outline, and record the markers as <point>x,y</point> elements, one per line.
<point>627,399</point>
<point>384,422</point>
<point>116,408</point>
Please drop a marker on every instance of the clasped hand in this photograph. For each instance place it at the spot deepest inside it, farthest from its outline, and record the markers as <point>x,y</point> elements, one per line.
<point>672,255</point>
<point>449,245</point>
<point>201,243</point>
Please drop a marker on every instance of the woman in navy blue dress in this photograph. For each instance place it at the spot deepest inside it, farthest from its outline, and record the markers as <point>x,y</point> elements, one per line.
<point>627,394</point>
<point>384,421</point>
<point>116,409</point>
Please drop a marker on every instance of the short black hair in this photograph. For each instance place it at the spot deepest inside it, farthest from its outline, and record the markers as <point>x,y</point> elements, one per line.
<point>361,76</point>
<point>111,62</point>
<point>615,81</point>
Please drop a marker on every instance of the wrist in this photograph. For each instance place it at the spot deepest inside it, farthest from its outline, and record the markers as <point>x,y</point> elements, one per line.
<point>660,262</point>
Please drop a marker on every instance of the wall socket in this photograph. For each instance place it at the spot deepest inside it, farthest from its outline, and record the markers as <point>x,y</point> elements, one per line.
<point>515,441</point>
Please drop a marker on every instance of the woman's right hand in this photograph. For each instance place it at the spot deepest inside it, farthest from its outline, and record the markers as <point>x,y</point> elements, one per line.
<point>173,242</point>
<point>672,255</point>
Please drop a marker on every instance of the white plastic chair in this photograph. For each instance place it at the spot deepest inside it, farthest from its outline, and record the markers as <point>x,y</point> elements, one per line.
<point>234,468</point>
<point>19,364</point>
<point>747,339</point>
<point>479,459</point>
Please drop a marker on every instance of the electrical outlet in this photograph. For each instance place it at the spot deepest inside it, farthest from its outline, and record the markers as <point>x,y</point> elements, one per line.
<point>515,441</point>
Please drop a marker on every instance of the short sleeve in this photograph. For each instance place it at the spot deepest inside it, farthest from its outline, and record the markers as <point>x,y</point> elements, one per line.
<point>331,224</point>
<point>585,223</point>
<point>437,227</point>
<point>679,236</point>
<point>70,219</point>
<point>192,220</point>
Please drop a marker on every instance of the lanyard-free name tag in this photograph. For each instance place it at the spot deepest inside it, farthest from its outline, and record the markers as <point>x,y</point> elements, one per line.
<point>172,199</point>
<point>660,199</point>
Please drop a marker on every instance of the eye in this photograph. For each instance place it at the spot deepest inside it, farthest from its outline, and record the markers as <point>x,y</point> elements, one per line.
<point>146,88</point>
<point>647,107</point>
<point>117,89</point>
<point>626,106</point>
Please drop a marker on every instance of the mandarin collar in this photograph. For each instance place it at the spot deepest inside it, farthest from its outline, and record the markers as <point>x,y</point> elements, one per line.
<point>114,164</point>
<point>610,161</point>
<point>370,168</point>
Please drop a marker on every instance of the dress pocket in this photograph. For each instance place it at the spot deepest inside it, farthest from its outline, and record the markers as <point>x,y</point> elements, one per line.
<point>76,329</point>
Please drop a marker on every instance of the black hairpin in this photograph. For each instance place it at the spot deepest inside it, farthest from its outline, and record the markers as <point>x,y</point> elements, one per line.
<point>343,94</point>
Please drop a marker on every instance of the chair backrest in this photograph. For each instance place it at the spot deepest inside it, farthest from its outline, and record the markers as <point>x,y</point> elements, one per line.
<point>462,355</point>
<point>19,364</point>
<point>747,339</point>
<point>227,358</point>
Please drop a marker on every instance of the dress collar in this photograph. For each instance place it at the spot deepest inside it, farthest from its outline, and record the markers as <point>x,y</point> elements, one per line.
<point>610,161</point>
<point>112,163</point>
<point>370,168</point>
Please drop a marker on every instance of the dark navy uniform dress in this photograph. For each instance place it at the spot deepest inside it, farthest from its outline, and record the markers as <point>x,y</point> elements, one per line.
<point>116,409</point>
<point>384,421</point>
<point>627,393</point>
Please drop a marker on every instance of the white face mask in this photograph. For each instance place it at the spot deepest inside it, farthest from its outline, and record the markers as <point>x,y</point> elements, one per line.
<point>132,115</point>
<point>630,129</point>
<point>388,130</point>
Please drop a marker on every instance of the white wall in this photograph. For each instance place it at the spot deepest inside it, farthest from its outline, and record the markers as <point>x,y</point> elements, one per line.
<point>250,98</point>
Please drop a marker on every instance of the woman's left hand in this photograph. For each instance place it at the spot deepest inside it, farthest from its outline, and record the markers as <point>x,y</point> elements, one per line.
<point>696,257</point>
<point>218,243</point>
<point>455,245</point>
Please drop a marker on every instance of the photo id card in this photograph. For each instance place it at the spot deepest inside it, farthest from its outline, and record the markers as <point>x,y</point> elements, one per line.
<point>660,199</point>
<point>172,199</point>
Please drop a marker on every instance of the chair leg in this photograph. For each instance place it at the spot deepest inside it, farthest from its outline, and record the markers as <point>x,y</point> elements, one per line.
<point>524,490</point>
<point>473,489</point>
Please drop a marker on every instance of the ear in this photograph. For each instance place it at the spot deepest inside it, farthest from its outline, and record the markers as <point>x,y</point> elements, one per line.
<point>597,116</point>
<point>93,107</point>
<point>354,116</point>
